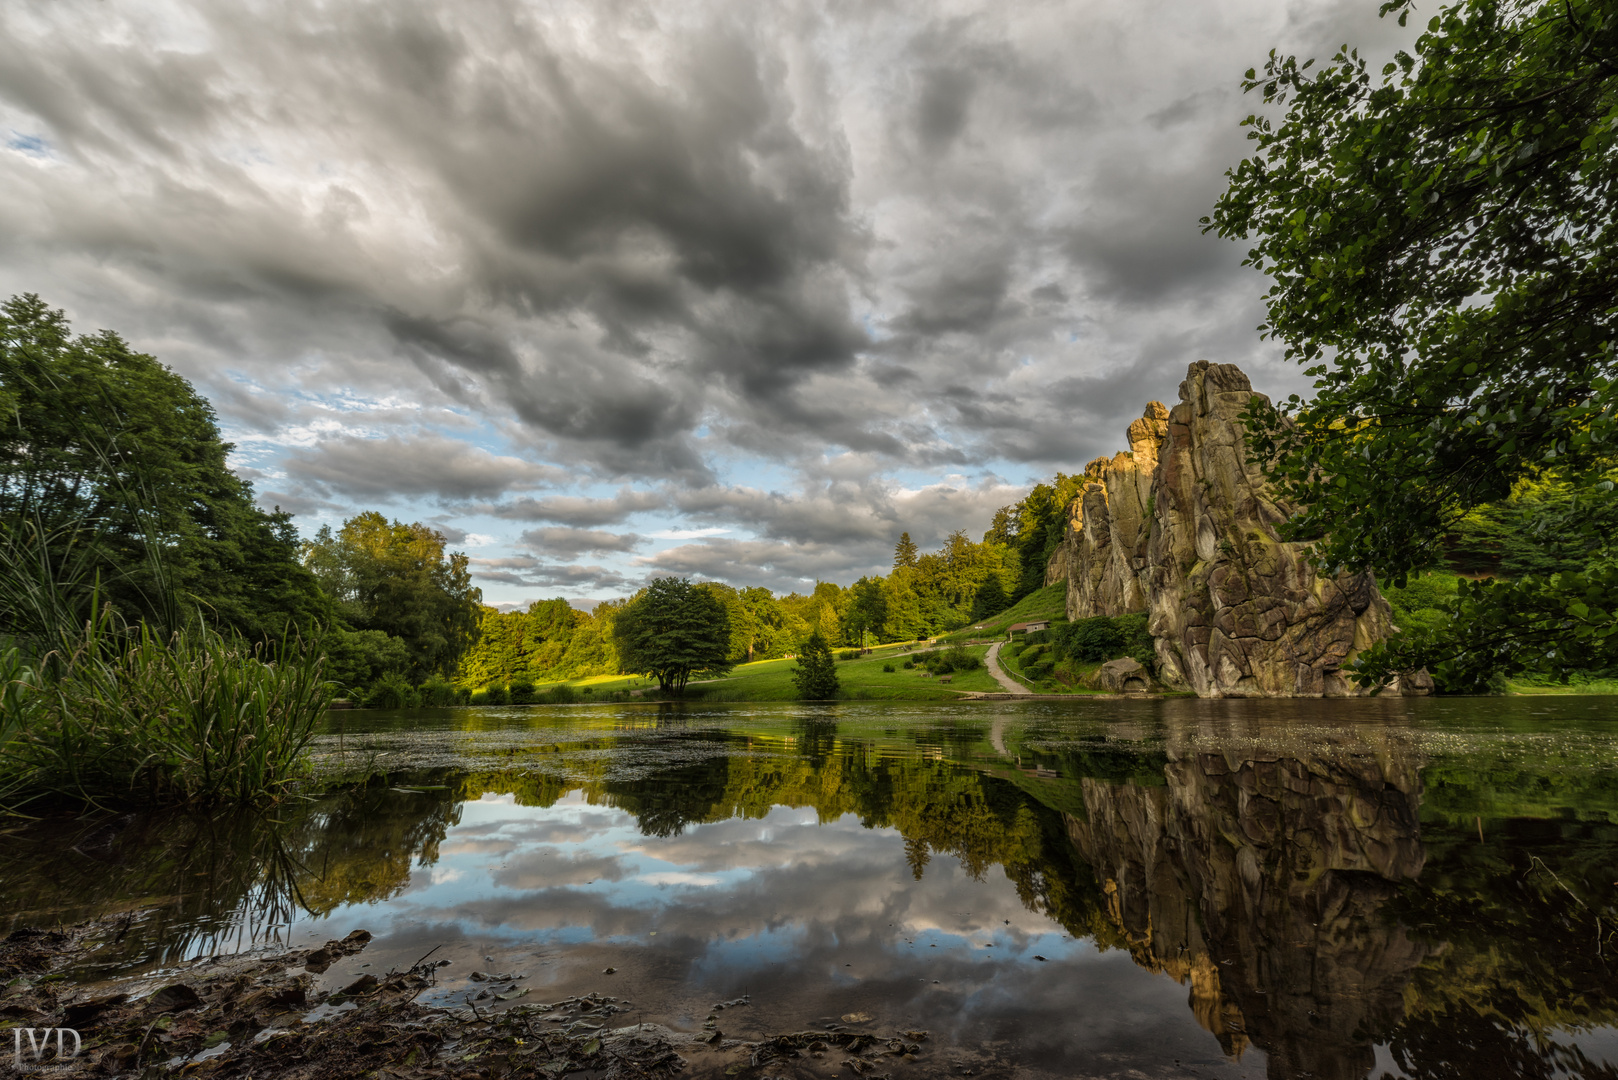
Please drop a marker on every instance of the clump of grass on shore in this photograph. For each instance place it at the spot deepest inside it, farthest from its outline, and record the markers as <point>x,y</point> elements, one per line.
<point>122,716</point>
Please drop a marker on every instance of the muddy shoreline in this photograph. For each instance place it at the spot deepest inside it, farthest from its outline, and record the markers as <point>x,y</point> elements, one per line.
<point>261,1014</point>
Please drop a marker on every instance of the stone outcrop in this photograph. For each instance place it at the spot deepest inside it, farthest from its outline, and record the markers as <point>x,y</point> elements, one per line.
<point>1123,676</point>
<point>1182,526</point>
<point>1262,882</point>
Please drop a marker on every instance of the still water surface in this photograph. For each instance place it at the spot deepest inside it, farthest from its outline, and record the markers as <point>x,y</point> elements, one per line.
<point>1097,888</point>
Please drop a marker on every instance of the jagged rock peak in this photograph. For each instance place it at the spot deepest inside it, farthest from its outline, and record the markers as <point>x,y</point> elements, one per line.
<point>1183,526</point>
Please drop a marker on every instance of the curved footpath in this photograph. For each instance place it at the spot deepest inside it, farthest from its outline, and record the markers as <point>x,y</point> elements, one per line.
<point>991,660</point>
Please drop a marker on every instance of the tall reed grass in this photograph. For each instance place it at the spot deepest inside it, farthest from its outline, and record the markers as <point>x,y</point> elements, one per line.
<point>121,716</point>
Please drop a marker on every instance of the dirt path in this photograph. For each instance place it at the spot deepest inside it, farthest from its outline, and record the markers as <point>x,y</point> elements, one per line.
<point>991,660</point>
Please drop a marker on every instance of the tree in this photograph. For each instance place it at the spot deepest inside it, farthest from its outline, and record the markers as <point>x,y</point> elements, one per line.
<point>1442,245</point>
<point>904,552</point>
<point>867,609</point>
<point>118,463</point>
<point>671,629</point>
<point>396,578</point>
<point>816,673</point>
<point>991,599</point>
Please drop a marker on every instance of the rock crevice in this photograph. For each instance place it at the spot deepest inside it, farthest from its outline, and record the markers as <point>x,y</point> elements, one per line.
<point>1182,527</point>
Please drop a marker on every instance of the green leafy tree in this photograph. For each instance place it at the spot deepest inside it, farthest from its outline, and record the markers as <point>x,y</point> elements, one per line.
<point>867,610</point>
<point>991,599</point>
<point>672,629</point>
<point>397,578</point>
<point>816,673</point>
<point>118,462</point>
<point>1445,258</point>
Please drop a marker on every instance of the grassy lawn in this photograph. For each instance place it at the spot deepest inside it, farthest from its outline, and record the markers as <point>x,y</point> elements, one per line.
<point>1047,603</point>
<point>771,680</point>
<point>1578,686</point>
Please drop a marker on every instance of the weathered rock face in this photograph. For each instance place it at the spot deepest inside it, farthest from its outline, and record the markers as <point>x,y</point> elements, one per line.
<point>1260,880</point>
<point>1183,526</point>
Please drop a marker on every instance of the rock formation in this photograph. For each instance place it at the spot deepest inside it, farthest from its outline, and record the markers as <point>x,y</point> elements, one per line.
<point>1262,881</point>
<point>1183,526</point>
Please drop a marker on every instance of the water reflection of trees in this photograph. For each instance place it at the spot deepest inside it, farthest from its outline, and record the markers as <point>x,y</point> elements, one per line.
<point>1316,900</point>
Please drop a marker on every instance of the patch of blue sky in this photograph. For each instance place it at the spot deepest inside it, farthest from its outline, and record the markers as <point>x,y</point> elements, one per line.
<point>775,947</point>
<point>35,146</point>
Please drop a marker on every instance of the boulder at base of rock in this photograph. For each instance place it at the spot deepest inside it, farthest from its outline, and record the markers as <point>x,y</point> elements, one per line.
<point>1123,676</point>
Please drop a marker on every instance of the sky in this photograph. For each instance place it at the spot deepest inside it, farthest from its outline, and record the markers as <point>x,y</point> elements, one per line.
<point>608,290</point>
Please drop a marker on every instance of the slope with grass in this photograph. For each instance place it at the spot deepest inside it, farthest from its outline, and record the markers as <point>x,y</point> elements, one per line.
<point>1047,603</point>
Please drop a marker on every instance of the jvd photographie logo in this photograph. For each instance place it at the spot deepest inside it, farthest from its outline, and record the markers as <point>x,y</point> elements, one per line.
<point>39,1040</point>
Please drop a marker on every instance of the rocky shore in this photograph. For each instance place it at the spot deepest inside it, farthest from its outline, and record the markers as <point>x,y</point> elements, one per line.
<point>258,1014</point>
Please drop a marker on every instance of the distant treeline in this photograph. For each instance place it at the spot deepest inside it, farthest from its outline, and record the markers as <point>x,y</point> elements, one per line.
<point>924,594</point>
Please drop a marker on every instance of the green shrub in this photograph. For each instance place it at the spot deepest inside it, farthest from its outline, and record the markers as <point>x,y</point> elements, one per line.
<point>522,692</point>
<point>961,660</point>
<point>438,694</point>
<point>888,669</point>
<point>1090,640</point>
<point>495,694</point>
<point>849,654</point>
<point>909,665</point>
<point>560,694</point>
<point>391,691</point>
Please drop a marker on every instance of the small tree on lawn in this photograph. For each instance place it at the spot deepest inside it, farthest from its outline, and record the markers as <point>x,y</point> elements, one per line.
<point>816,673</point>
<point>671,630</point>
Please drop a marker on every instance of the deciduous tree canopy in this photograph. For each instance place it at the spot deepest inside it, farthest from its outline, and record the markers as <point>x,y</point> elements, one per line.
<point>119,462</point>
<point>1443,238</point>
<point>672,629</point>
<point>396,578</point>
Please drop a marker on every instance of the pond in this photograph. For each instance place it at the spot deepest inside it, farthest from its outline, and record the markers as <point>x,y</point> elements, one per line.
<point>1091,888</point>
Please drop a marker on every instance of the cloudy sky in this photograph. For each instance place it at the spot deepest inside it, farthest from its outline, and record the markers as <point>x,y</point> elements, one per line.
<point>608,289</point>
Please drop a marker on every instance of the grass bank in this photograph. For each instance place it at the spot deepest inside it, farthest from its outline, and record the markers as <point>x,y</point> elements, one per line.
<point>863,679</point>
<point>1047,603</point>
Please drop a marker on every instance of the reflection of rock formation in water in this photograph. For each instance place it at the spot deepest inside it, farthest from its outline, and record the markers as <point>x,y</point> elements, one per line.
<point>1258,880</point>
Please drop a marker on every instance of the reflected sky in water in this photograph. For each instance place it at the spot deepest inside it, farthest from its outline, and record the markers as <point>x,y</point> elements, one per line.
<point>1329,889</point>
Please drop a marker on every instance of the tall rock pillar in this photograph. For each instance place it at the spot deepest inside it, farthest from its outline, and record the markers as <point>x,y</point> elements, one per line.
<point>1235,611</point>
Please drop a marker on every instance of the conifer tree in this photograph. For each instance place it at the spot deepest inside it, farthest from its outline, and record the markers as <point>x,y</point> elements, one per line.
<point>816,673</point>
<point>904,552</point>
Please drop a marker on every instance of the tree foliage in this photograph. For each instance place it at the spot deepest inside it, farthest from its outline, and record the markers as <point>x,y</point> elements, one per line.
<point>116,464</point>
<point>1443,239</point>
<point>397,578</point>
<point>672,629</point>
<point>816,673</point>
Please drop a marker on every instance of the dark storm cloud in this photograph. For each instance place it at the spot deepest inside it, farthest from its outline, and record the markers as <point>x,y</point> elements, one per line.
<point>650,246</point>
<point>580,511</point>
<point>419,464</point>
<point>565,543</point>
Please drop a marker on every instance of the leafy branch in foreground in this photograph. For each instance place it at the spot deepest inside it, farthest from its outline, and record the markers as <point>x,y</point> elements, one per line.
<point>1443,241</point>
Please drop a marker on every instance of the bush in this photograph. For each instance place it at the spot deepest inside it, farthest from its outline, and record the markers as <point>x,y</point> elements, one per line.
<point>391,691</point>
<point>909,665</point>
<point>888,668</point>
<point>495,694</point>
<point>1106,638</point>
<point>960,660</point>
<point>522,692</point>
<point>849,654</point>
<point>560,694</point>
<point>438,694</point>
<point>1091,640</point>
